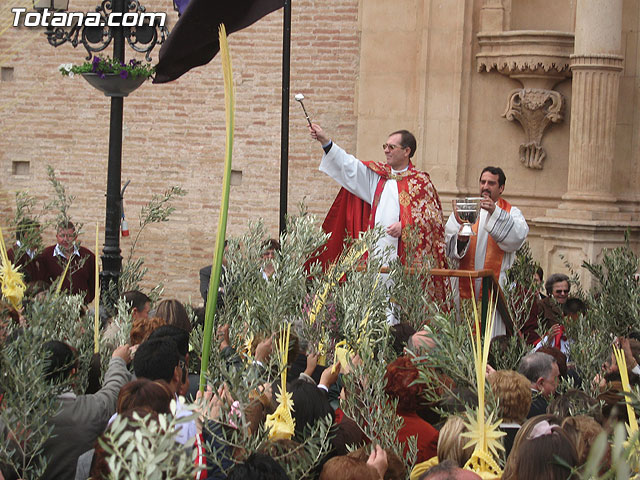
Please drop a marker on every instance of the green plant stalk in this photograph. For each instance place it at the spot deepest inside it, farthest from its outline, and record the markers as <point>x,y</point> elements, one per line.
<point>216,269</point>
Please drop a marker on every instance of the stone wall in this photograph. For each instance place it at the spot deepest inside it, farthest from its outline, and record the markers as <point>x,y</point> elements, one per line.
<point>366,68</point>
<point>174,133</point>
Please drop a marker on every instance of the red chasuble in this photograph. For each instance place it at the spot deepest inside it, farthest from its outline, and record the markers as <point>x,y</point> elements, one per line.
<point>419,206</point>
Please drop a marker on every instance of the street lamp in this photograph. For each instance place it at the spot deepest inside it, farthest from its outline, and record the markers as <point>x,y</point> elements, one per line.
<point>95,39</point>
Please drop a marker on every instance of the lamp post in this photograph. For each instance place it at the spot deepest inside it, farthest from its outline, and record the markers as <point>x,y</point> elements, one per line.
<point>95,39</point>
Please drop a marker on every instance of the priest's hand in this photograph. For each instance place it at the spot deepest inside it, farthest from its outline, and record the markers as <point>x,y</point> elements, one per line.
<point>318,134</point>
<point>462,241</point>
<point>487,204</point>
<point>395,229</point>
<point>462,238</point>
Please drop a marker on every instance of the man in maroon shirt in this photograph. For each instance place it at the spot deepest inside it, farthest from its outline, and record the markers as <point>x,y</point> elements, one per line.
<point>53,260</point>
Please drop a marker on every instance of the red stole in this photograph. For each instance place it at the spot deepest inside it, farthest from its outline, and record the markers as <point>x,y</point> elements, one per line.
<point>493,256</point>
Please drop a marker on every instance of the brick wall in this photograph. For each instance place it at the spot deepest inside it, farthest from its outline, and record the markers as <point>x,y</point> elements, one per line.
<point>174,133</point>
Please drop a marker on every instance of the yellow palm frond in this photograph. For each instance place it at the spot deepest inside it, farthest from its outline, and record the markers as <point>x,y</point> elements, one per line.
<point>281,423</point>
<point>484,465</point>
<point>632,426</point>
<point>229,89</point>
<point>13,285</point>
<point>216,265</point>
<point>64,274</point>
<point>483,432</point>
<point>334,274</point>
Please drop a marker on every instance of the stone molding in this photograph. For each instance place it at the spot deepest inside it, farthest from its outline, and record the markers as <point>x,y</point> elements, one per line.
<point>538,60</point>
<point>600,62</point>
<point>545,53</point>
<point>534,109</point>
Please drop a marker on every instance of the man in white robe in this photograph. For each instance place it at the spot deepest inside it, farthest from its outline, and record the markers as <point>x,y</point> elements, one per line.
<point>500,231</point>
<point>353,175</point>
<point>399,195</point>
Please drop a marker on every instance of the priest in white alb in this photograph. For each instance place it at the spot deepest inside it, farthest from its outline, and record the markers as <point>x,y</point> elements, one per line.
<point>394,195</point>
<point>500,231</point>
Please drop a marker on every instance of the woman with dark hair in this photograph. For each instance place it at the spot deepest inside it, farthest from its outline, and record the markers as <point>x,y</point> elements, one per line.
<point>144,393</point>
<point>258,467</point>
<point>400,376</point>
<point>99,467</point>
<point>310,404</point>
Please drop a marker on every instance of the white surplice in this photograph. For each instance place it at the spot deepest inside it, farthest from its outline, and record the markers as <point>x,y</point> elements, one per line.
<point>508,229</point>
<point>354,175</point>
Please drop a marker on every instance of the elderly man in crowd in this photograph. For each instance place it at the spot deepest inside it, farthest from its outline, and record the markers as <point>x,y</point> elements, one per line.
<point>542,371</point>
<point>80,277</point>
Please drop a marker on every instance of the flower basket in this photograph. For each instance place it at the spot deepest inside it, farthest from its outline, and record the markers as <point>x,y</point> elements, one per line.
<point>112,77</point>
<point>112,84</point>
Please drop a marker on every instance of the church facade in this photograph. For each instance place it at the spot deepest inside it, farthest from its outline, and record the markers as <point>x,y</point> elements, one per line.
<point>547,90</point>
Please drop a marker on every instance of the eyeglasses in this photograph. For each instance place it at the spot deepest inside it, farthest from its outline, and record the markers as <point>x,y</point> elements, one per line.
<point>561,291</point>
<point>391,146</point>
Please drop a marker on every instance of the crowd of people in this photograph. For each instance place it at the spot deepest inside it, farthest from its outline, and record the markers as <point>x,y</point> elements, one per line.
<point>150,375</point>
<point>547,433</point>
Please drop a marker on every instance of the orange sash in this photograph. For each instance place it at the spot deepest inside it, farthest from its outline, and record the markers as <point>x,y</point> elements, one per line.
<point>492,259</point>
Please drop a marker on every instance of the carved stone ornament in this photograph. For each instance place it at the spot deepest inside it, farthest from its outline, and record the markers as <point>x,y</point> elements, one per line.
<point>535,109</point>
<point>531,53</point>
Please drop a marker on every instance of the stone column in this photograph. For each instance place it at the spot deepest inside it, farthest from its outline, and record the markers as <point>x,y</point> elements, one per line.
<point>589,219</point>
<point>596,66</point>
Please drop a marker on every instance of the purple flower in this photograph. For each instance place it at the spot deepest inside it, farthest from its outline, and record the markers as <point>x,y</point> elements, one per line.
<point>132,62</point>
<point>101,75</point>
<point>124,74</point>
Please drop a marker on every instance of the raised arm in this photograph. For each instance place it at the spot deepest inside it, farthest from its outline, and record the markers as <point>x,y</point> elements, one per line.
<point>344,168</point>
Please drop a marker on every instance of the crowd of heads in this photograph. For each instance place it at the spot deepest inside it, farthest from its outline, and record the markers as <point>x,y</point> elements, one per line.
<point>549,433</point>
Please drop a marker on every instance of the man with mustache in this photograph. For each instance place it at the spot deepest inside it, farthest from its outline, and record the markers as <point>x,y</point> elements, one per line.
<point>500,231</point>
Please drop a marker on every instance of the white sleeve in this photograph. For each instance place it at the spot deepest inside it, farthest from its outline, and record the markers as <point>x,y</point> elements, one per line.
<point>508,229</point>
<point>350,172</point>
<point>451,230</point>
